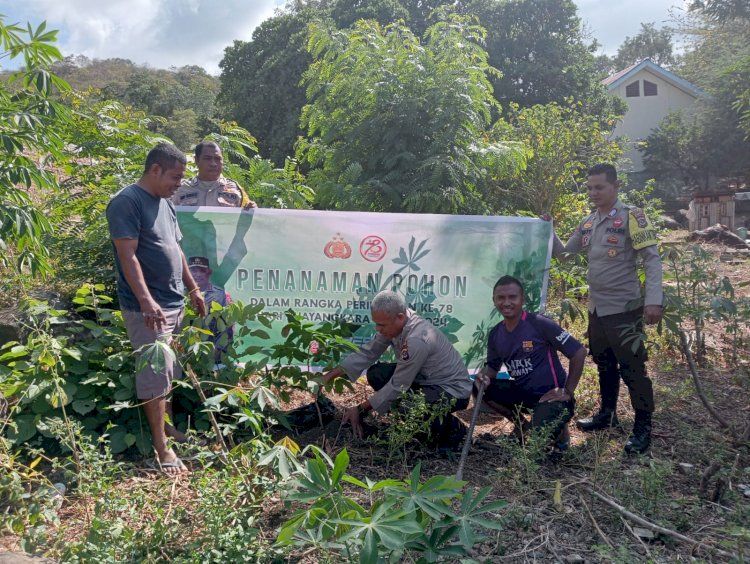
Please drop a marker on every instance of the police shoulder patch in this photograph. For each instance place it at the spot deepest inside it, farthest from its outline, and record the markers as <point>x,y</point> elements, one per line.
<point>642,233</point>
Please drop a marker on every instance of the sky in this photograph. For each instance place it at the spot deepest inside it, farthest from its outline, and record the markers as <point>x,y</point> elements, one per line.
<point>174,33</point>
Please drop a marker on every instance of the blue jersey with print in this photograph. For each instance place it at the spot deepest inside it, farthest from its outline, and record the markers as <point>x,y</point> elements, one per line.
<point>525,352</point>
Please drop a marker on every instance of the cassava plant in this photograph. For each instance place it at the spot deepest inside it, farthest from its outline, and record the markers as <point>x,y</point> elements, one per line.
<point>387,520</point>
<point>695,294</point>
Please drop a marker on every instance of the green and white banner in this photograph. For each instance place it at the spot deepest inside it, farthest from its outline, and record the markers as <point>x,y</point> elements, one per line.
<point>329,265</point>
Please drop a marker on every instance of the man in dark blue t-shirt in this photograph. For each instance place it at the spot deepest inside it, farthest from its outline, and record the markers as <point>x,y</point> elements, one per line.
<point>526,345</point>
<point>152,274</point>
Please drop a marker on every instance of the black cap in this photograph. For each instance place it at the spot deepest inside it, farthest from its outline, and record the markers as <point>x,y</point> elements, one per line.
<point>201,262</point>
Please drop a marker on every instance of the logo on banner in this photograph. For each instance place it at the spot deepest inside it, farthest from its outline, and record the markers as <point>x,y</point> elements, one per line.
<point>337,248</point>
<point>372,248</point>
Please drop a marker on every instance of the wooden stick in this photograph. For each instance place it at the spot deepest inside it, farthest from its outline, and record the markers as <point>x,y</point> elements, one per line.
<point>596,525</point>
<point>212,419</point>
<point>649,525</point>
<point>699,387</point>
<point>470,432</point>
<point>632,532</point>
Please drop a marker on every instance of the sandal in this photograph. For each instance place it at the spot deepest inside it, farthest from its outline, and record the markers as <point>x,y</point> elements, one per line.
<point>167,468</point>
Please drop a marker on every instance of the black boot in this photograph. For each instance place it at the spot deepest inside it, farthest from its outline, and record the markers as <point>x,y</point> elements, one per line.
<point>602,420</point>
<point>640,438</point>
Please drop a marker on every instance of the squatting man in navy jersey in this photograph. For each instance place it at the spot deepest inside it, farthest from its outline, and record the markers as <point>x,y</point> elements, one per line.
<point>527,344</point>
<point>426,362</point>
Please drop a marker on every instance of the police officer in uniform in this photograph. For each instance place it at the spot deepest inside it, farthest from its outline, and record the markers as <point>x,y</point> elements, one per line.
<point>426,362</point>
<point>201,271</point>
<point>210,187</point>
<point>612,237</point>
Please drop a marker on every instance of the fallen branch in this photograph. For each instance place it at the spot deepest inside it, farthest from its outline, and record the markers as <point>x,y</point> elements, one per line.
<point>699,386</point>
<point>639,539</point>
<point>654,527</point>
<point>596,525</point>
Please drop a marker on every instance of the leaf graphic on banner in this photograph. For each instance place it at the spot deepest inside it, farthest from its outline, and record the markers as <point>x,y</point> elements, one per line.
<point>401,257</point>
<point>410,261</point>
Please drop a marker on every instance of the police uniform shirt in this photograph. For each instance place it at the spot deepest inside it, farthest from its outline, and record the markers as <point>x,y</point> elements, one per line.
<point>215,294</point>
<point>424,355</point>
<point>612,242</point>
<point>216,193</point>
<point>529,353</point>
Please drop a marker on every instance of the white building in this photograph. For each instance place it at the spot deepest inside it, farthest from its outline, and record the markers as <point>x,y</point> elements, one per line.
<point>651,93</point>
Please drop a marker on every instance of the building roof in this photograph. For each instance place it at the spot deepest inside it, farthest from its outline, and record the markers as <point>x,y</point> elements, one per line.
<point>617,79</point>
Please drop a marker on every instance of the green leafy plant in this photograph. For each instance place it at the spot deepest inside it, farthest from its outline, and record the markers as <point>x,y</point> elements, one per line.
<point>395,123</point>
<point>409,423</point>
<point>696,294</point>
<point>395,517</point>
<point>31,143</point>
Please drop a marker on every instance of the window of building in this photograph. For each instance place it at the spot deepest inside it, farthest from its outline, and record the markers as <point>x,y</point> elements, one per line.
<point>633,90</point>
<point>649,88</point>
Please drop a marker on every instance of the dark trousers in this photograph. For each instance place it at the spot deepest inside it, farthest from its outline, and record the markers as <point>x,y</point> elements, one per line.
<point>552,415</point>
<point>445,431</point>
<point>612,339</point>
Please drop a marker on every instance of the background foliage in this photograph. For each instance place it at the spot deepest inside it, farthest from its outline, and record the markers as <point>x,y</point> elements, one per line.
<point>395,124</point>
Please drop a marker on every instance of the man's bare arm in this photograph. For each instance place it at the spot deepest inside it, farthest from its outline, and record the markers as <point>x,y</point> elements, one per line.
<point>131,269</point>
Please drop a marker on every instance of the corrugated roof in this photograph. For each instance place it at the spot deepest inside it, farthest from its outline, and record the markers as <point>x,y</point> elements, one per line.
<point>610,79</point>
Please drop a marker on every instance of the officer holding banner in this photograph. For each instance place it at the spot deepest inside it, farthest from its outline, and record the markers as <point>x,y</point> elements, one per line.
<point>210,187</point>
<point>613,237</point>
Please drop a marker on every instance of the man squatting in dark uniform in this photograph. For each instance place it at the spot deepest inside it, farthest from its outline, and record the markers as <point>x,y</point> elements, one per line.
<point>426,362</point>
<point>612,237</point>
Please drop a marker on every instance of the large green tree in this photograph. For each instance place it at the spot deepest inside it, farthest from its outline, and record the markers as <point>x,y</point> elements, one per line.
<point>651,43</point>
<point>540,49</point>
<point>563,140</point>
<point>398,124</point>
<point>260,87</point>
<point>537,44</point>
<point>711,142</point>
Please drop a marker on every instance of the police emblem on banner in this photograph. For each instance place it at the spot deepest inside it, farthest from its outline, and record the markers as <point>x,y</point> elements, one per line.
<point>528,346</point>
<point>404,352</point>
<point>337,248</point>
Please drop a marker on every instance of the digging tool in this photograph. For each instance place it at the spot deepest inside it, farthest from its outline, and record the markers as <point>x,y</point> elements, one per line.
<point>470,432</point>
